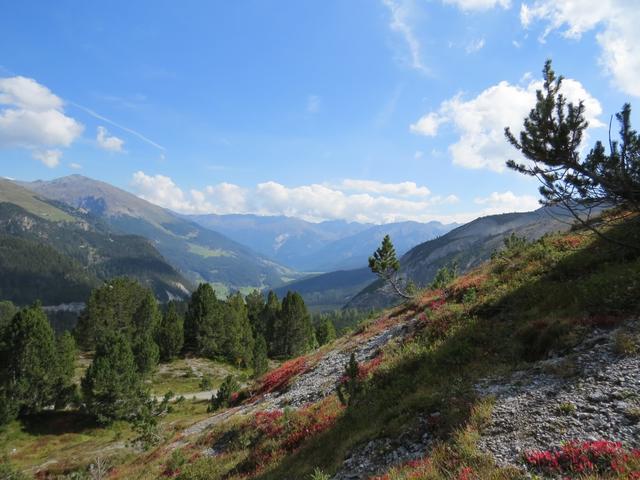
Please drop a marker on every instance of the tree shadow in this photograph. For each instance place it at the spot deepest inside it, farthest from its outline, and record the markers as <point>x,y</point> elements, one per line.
<point>57,423</point>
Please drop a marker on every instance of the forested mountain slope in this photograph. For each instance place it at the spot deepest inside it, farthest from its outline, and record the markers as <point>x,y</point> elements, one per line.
<point>199,253</point>
<point>56,254</point>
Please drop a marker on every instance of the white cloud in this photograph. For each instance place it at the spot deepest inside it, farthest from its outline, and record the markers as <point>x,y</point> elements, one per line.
<point>467,5</point>
<point>428,124</point>
<point>32,117</point>
<point>506,202</point>
<point>108,142</point>
<point>161,190</point>
<point>313,104</point>
<point>51,158</point>
<point>418,155</point>
<point>400,13</point>
<point>480,121</point>
<point>403,189</point>
<point>475,45</point>
<point>354,200</point>
<point>75,166</point>
<point>618,33</point>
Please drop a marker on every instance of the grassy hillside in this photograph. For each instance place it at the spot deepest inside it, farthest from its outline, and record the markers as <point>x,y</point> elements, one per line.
<point>532,301</point>
<point>467,246</point>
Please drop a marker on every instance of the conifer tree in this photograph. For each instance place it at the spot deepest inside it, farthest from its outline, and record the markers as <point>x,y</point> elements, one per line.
<point>260,362</point>
<point>222,398</point>
<point>551,140</point>
<point>293,331</point>
<point>386,265</point>
<point>110,307</point>
<point>112,387</point>
<point>145,322</point>
<point>269,318</point>
<point>255,304</point>
<point>170,336</point>
<point>350,386</point>
<point>325,331</point>
<point>203,323</point>
<point>30,363</point>
<point>66,352</point>
<point>238,346</point>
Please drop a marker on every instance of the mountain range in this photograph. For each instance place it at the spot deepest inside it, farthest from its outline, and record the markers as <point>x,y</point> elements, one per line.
<point>318,247</point>
<point>54,253</point>
<point>201,254</point>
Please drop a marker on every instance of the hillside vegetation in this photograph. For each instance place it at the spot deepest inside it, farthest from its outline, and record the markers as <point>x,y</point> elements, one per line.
<point>413,406</point>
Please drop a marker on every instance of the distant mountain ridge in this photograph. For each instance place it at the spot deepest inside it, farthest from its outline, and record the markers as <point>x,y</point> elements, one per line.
<point>467,246</point>
<point>56,254</point>
<point>318,247</point>
<point>199,253</point>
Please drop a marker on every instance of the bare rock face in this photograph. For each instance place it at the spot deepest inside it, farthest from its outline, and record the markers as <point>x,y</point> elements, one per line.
<point>593,393</point>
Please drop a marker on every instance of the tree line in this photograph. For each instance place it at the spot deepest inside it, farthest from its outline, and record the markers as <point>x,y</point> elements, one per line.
<point>130,333</point>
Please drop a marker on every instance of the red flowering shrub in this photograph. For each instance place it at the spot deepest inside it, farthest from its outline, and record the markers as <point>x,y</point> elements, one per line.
<point>280,377</point>
<point>600,457</point>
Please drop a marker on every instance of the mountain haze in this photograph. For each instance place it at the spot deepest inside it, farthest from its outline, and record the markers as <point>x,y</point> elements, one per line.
<point>318,247</point>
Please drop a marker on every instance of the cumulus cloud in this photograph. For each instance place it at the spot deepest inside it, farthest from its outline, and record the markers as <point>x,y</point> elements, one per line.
<point>480,121</point>
<point>506,202</point>
<point>468,5</point>
<point>32,117</point>
<point>354,200</point>
<point>403,189</point>
<point>51,158</point>
<point>618,34</point>
<point>428,124</point>
<point>108,142</point>
<point>400,14</point>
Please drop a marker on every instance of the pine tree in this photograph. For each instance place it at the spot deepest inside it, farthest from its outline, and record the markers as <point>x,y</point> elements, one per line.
<point>325,331</point>
<point>293,330</point>
<point>349,389</point>
<point>66,391</point>
<point>30,362</point>
<point>255,304</point>
<point>222,398</point>
<point>170,336</point>
<point>145,323</point>
<point>260,361</point>
<point>203,323</point>
<point>110,308</point>
<point>7,311</point>
<point>238,347</point>
<point>112,387</point>
<point>551,140</point>
<point>386,265</point>
<point>269,318</point>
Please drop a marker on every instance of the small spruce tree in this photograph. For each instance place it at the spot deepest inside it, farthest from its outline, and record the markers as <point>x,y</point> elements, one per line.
<point>325,331</point>
<point>223,397</point>
<point>349,387</point>
<point>386,265</point>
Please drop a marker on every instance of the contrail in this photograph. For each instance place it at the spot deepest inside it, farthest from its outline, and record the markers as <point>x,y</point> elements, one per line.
<point>117,125</point>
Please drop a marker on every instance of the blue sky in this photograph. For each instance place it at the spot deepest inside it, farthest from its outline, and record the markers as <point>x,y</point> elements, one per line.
<point>371,110</point>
